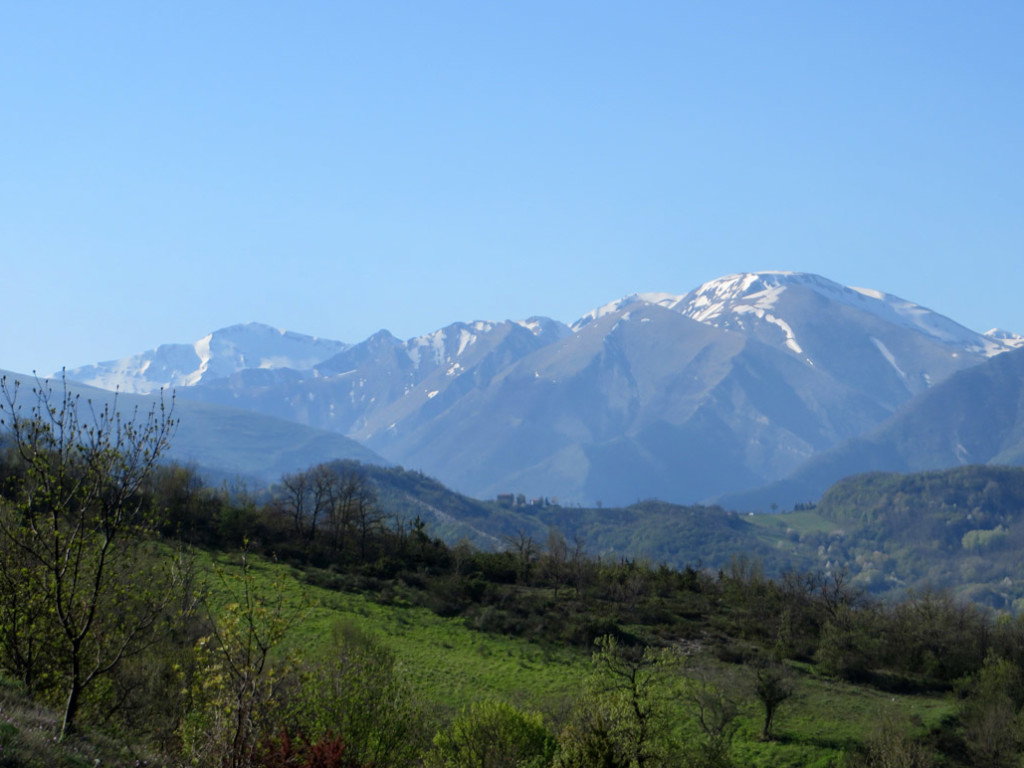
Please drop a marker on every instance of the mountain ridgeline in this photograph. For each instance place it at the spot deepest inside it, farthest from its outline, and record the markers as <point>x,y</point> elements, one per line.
<point>743,382</point>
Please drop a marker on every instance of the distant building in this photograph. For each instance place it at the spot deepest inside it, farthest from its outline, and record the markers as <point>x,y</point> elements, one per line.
<point>507,499</point>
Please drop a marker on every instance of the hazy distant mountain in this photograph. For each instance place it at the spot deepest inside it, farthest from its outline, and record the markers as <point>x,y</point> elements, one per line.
<point>226,443</point>
<point>232,443</point>
<point>382,381</point>
<point>730,386</point>
<point>974,417</point>
<point>219,354</point>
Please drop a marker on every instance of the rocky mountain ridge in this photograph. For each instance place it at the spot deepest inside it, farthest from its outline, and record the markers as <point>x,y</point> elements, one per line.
<point>682,396</point>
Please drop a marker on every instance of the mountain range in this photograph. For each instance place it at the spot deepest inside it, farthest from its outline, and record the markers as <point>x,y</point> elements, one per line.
<point>744,382</point>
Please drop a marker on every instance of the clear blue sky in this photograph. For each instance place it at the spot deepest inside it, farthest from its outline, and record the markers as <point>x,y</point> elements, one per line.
<point>333,168</point>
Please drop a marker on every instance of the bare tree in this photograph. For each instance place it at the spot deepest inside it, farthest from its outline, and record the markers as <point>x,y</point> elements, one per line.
<point>526,552</point>
<point>81,591</point>
<point>347,493</point>
<point>712,699</point>
<point>368,519</point>
<point>338,504</point>
<point>295,491</point>
<point>554,562</point>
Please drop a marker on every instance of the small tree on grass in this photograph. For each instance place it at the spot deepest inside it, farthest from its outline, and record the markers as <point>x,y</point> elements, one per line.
<point>493,734</point>
<point>773,686</point>
<point>78,595</point>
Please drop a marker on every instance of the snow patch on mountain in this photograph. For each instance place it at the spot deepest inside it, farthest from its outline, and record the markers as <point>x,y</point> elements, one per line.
<point>429,346</point>
<point>437,347</point>
<point>924,320</point>
<point>203,352</point>
<point>760,313</point>
<point>713,299</point>
<point>1008,338</point>
<point>891,359</point>
<point>465,339</point>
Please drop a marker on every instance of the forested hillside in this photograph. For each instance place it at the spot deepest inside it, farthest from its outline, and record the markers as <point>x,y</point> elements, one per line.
<point>891,534</point>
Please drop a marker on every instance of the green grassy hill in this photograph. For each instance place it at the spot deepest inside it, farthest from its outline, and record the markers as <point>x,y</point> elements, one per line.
<point>448,665</point>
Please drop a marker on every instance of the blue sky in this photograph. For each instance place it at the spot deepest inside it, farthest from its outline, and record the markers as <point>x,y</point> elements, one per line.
<point>167,169</point>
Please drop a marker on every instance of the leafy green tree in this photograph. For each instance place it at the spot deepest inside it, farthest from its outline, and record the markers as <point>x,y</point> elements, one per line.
<point>360,694</point>
<point>27,638</point>
<point>233,700</point>
<point>493,734</point>
<point>79,593</point>
<point>592,738</point>
<point>620,721</point>
<point>992,723</point>
<point>849,644</point>
<point>772,684</point>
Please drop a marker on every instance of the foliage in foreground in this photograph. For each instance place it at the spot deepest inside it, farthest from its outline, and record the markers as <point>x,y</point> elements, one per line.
<point>687,667</point>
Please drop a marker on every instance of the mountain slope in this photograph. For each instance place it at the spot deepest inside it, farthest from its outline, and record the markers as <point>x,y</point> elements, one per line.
<point>974,417</point>
<point>874,341</point>
<point>642,402</point>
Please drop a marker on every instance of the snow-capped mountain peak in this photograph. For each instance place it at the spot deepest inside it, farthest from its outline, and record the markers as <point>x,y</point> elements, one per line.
<point>1008,338</point>
<point>667,300</point>
<point>818,321</point>
<point>544,327</point>
<point>446,344</point>
<point>725,301</point>
<point>216,355</point>
<point>450,344</point>
<point>763,290</point>
<point>711,300</point>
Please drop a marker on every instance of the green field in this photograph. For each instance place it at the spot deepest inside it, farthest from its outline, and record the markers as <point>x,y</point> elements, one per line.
<point>450,665</point>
